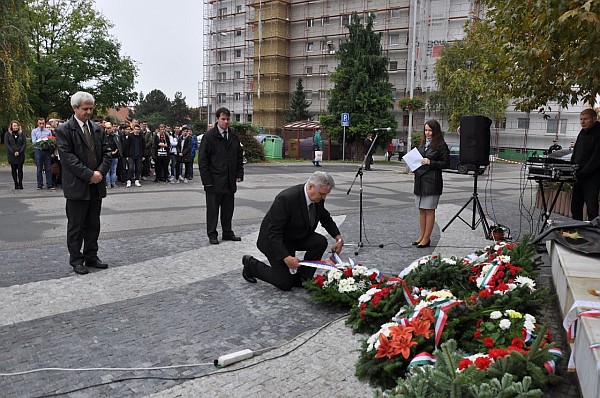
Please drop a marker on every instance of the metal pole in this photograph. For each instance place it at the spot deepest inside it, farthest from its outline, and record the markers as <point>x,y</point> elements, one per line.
<point>412,75</point>
<point>344,145</point>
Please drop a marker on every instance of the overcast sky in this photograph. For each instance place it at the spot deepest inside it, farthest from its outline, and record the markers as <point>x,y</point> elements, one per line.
<point>164,38</point>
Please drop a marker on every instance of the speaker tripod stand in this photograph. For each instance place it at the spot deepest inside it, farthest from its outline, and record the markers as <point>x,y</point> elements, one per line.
<point>477,211</point>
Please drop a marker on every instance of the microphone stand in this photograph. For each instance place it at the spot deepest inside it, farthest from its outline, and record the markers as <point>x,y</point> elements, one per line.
<point>359,173</point>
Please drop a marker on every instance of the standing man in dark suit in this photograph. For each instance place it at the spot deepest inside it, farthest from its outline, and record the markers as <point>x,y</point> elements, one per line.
<point>290,225</point>
<point>220,160</point>
<point>85,158</point>
<point>586,155</point>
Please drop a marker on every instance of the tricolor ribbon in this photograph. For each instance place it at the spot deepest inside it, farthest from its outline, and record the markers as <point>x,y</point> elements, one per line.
<point>595,345</point>
<point>486,279</point>
<point>321,264</point>
<point>527,335</point>
<point>572,329</point>
<point>409,298</point>
<point>440,322</point>
<point>557,352</point>
<point>550,367</point>
<point>421,359</point>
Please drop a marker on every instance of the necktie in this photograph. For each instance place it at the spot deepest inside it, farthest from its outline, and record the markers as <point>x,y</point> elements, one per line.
<point>225,134</point>
<point>92,148</point>
<point>312,214</point>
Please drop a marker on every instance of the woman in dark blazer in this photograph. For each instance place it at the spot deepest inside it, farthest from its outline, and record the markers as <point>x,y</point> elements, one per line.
<point>428,179</point>
<point>15,142</point>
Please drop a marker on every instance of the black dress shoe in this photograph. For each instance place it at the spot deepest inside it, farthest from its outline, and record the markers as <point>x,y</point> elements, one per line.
<point>213,241</point>
<point>232,237</point>
<point>416,243</point>
<point>80,269</point>
<point>421,246</point>
<point>96,264</point>
<point>246,260</point>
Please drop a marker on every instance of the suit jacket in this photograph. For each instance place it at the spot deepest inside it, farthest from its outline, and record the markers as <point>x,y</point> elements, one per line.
<point>73,150</point>
<point>428,177</point>
<point>288,220</point>
<point>184,145</point>
<point>13,146</point>
<point>220,161</point>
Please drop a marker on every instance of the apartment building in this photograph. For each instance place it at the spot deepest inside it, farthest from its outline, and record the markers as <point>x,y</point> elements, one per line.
<point>256,50</point>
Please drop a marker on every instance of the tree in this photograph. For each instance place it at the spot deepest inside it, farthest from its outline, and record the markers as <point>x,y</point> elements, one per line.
<point>362,88</point>
<point>153,108</point>
<point>548,50</point>
<point>14,55</point>
<point>178,111</point>
<point>464,85</point>
<point>73,51</point>
<point>298,105</point>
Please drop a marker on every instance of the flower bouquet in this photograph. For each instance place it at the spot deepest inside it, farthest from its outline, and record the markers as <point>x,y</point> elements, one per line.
<point>46,143</point>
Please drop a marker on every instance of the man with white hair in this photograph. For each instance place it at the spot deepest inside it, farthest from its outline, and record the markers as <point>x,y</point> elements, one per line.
<point>289,226</point>
<point>86,159</point>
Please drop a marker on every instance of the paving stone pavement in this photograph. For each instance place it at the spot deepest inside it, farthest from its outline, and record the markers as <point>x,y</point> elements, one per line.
<point>170,298</point>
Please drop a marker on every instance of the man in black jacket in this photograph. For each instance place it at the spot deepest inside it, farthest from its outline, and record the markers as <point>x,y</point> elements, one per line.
<point>587,156</point>
<point>220,160</point>
<point>85,158</point>
<point>288,227</point>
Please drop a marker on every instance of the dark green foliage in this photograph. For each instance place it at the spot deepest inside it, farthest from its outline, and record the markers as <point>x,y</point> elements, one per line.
<point>298,105</point>
<point>246,133</point>
<point>331,296</point>
<point>440,274</point>
<point>369,319</point>
<point>362,86</point>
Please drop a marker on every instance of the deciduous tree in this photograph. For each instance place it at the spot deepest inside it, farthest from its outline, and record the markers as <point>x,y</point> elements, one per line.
<point>72,51</point>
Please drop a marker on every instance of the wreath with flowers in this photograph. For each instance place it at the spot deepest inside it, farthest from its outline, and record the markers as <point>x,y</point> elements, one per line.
<point>484,306</point>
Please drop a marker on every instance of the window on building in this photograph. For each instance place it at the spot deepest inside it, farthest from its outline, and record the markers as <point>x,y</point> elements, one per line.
<point>345,20</point>
<point>237,96</point>
<point>222,13</point>
<point>323,69</point>
<point>237,117</point>
<point>523,123</point>
<point>395,13</point>
<point>221,77</point>
<point>221,98</point>
<point>322,95</point>
<point>309,70</point>
<point>238,53</point>
<point>238,9</point>
<point>308,94</point>
<point>500,124</point>
<point>394,39</point>
<point>249,97</point>
<point>552,127</point>
<point>222,55</point>
<point>249,118</point>
<point>405,120</point>
<point>237,74</point>
<point>310,23</point>
<point>238,32</point>
<point>393,66</point>
<point>310,46</point>
<point>325,21</point>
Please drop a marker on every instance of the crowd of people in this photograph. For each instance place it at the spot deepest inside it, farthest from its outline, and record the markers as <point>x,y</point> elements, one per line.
<point>135,151</point>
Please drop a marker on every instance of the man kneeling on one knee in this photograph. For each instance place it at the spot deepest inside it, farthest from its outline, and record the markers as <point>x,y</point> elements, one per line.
<point>289,226</point>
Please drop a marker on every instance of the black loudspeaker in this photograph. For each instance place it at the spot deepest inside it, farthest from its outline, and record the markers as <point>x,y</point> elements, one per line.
<point>475,140</point>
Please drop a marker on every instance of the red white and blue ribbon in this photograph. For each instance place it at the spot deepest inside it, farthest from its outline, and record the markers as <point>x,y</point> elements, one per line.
<point>550,367</point>
<point>421,359</point>
<point>321,264</point>
<point>572,328</point>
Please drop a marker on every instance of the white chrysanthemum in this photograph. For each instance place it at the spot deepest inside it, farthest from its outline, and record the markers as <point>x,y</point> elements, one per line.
<point>450,261</point>
<point>530,318</point>
<point>486,268</point>
<point>424,293</point>
<point>505,259</point>
<point>511,286</point>
<point>359,270</point>
<point>440,295</point>
<point>334,275</point>
<point>347,285</point>
<point>504,324</point>
<point>496,315</point>
<point>530,326</point>
<point>525,281</point>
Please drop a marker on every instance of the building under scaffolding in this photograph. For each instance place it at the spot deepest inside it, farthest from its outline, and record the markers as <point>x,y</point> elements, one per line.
<point>256,50</point>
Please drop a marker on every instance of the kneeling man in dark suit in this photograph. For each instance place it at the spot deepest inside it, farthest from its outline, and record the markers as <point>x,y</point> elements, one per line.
<point>289,226</point>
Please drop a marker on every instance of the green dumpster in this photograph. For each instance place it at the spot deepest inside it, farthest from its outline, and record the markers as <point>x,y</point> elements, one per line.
<point>273,147</point>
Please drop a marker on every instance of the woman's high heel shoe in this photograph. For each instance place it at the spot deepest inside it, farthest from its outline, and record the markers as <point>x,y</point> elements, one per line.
<point>421,246</point>
<point>415,243</point>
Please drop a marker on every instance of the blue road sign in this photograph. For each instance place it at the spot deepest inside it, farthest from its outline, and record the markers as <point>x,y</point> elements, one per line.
<point>345,119</point>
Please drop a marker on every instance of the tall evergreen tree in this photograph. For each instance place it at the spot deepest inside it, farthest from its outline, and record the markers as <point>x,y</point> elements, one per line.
<point>179,111</point>
<point>362,87</point>
<point>298,105</point>
<point>14,57</point>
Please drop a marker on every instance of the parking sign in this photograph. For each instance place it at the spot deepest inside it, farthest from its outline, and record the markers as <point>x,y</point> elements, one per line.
<point>345,119</point>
